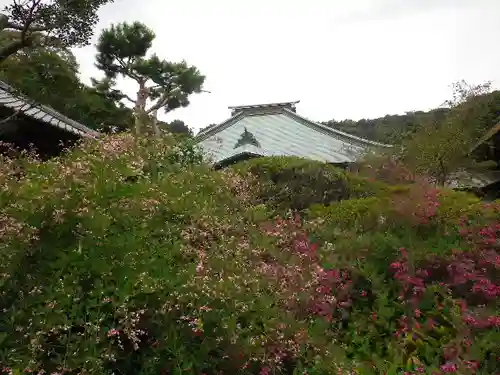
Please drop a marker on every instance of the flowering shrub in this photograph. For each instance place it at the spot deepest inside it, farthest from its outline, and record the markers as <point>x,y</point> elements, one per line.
<point>294,183</point>
<point>386,168</point>
<point>441,288</point>
<point>127,256</point>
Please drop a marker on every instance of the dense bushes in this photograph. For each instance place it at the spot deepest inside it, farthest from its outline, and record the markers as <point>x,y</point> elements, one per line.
<point>430,265</point>
<point>294,183</point>
<point>186,270</point>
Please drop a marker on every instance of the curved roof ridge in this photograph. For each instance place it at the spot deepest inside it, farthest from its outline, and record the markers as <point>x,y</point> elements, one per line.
<point>263,105</point>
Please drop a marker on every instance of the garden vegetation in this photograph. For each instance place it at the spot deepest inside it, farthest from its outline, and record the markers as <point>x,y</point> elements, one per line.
<point>131,256</point>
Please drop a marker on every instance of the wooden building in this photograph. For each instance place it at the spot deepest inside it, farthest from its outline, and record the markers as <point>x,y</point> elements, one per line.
<point>25,124</point>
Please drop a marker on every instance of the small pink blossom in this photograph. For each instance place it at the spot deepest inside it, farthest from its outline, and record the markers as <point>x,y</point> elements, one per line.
<point>199,267</point>
<point>113,332</point>
<point>449,368</point>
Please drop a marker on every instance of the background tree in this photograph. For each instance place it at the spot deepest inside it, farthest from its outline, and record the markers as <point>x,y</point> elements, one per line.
<point>42,73</point>
<point>177,127</point>
<point>100,110</point>
<point>479,105</point>
<point>439,149</point>
<point>63,23</point>
<point>50,76</point>
<point>122,51</point>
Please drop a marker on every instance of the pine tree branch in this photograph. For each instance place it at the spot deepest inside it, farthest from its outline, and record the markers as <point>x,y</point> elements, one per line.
<point>125,96</point>
<point>160,103</point>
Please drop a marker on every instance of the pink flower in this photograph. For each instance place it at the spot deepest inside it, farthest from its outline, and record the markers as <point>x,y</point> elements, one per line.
<point>396,265</point>
<point>265,371</point>
<point>113,332</point>
<point>449,368</point>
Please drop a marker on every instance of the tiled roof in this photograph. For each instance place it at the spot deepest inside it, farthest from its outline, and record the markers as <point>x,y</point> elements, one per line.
<point>10,99</point>
<point>258,107</point>
<point>473,179</point>
<point>281,133</point>
<point>490,133</point>
<point>281,104</point>
<point>207,132</point>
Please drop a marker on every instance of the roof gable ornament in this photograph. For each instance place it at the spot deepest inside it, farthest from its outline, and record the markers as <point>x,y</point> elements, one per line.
<point>247,138</point>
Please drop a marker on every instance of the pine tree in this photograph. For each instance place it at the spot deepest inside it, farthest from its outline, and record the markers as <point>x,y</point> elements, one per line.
<point>122,51</point>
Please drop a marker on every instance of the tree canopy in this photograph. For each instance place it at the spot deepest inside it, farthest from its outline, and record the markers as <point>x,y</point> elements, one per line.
<point>123,51</point>
<point>176,127</point>
<point>478,103</point>
<point>50,76</point>
<point>61,23</point>
<point>437,144</point>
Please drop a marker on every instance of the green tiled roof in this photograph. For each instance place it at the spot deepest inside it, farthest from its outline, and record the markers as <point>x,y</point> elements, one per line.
<point>280,131</point>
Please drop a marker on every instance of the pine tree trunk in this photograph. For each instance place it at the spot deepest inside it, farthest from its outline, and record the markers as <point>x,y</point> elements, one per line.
<point>154,124</point>
<point>137,124</point>
<point>140,108</point>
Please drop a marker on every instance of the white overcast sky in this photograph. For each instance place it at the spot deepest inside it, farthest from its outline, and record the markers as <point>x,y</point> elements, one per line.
<point>341,58</point>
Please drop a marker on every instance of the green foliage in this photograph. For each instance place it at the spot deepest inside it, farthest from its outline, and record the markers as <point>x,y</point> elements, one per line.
<point>390,129</point>
<point>50,77</point>
<point>119,47</point>
<point>42,74</point>
<point>440,149</point>
<point>437,151</point>
<point>128,255</point>
<point>480,107</point>
<point>114,263</point>
<point>49,23</point>
<point>295,183</point>
<point>176,127</point>
<point>122,51</point>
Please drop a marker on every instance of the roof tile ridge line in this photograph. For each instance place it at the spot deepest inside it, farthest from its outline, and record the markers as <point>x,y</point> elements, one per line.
<point>44,108</point>
<point>333,130</point>
<point>63,118</point>
<point>201,136</point>
<point>264,104</point>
